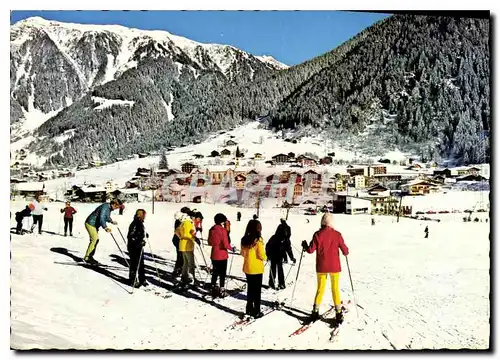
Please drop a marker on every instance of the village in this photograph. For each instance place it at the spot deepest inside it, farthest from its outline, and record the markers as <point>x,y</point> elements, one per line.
<point>303,181</point>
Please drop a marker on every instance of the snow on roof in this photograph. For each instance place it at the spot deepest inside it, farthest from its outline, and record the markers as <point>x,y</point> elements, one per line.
<point>93,189</point>
<point>29,186</point>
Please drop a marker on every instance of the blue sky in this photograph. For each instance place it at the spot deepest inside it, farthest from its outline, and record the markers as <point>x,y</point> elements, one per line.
<point>289,36</point>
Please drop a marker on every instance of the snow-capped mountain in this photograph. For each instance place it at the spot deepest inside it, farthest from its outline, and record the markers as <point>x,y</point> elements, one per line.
<point>53,64</point>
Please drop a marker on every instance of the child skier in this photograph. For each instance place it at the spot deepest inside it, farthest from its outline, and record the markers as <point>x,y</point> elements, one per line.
<point>327,242</point>
<point>20,215</point>
<point>218,240</point>
<point>68,211</point>
<point>135,246</point>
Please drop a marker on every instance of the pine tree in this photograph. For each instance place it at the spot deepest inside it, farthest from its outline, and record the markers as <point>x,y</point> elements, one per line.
<point>163,161</point>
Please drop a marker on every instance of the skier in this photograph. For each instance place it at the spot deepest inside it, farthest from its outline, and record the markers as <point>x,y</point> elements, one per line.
<point>326,242</point>
<point>276,250</point>
<point>218,240</point>
<point>285,243</point>
<point>122,207</point>
<point>254,254</point>
<point>135,246</point>
<point>187,238</point>
<point>238,216</point>
<point>373,221</point>
<point>227,226</point>
<point>175,240</point>
<point>98,218</point>
<point>37,213</point>
<point>197,221</point>
<point>20,215</point>
<point>426,231</point>
<point>68,211</point>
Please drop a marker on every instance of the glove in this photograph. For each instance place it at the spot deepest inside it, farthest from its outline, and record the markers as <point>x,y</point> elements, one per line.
<point>294,261</point>
<point>114,222</point>
<point>234,249</point>
<point>143,243</point>
<point>107,230</point>
<point>147,236</point>
<point>304,245</point>
<point>45,209</point>
<point>197,241</point>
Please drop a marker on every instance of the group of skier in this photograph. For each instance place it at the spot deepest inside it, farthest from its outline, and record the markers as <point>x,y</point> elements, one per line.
<point>188,230</point>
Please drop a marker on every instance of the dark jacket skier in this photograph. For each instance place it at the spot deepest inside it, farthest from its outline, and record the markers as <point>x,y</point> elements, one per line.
<point>286,245</point>
<point>276,250</point>
<point>135,246</point>
<point>20,215</point>
<point>238,216</point>
<point>426,232</point>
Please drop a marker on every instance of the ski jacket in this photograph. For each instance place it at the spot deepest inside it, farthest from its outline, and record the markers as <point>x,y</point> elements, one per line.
<point>68,212</point>
<point>198,224</point>
<point>186,233</point>
<point>219,241</point>
<point>38,208</point>
<point>254,258</point>
<point>136,235</point>
<point>326,242</point>
<point>100,216</point>
<point>23,213</point>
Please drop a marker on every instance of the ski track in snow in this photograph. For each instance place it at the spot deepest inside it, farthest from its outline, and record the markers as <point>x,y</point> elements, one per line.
<point>414,292</point>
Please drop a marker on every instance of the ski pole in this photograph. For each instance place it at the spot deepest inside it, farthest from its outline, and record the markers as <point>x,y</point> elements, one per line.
<point>154,260</point>
<point>352,287</point>
<point>203,255</point>
<point>124,258</point>
<point>137,271</point>
<point>60,223</point>
<point>297,277</point>
<point>123,238</point>
<point>289,271</point>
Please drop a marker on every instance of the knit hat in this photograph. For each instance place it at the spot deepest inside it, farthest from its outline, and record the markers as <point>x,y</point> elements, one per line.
<point>220,218</point>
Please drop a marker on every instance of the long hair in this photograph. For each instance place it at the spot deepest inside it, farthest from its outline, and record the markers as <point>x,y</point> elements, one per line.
<point>252,233</point>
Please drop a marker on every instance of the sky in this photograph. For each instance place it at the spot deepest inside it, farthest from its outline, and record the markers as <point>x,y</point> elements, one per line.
<point>291,37</point>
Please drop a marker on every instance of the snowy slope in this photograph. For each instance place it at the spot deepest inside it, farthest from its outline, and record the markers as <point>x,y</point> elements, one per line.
<point>415,293</point>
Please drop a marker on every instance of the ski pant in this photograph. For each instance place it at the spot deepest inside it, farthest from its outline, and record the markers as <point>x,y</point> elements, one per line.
<point>334,279</point>
<point>37,219</point>
<point>254,288</point>
<point>219,269</point>
<point>68,222</point>
<point>94,240</point>
<point>178,261</point>
<point>276,264</point>
<point>136,265</point>
<point>19,227</point>
<point>187,266</point>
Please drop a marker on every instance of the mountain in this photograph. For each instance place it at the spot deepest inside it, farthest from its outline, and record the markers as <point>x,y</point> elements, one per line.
<point>411,82</point>
<point>55,65</point>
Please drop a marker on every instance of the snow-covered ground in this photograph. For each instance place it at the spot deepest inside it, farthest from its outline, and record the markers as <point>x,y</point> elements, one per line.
<point>415,293</point>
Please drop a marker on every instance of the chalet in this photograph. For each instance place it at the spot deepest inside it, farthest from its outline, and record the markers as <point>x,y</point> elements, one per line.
<point>198,156</point>
<point>356,205</point>
<point>143,172</point>
<point>311,175</point>
<point>327,160</point>
<point>378,190</point>
<point>132,183</point>
<point>29,189</point>
<point>91,194</point>
<point>471,177</point>
<point>468,171</point>
<point>142,155</point>
<point>187,168</point>
<point>377,169</point>
<point>384,205</point>
<point>225,152</point>
<point>231,143</point>
<point>352,171</point>
<point>162,173</point>
<point>217,175</point>
<point>420,187</point>
<point>253,172</point>
<point>280,159</point>
<point>284,177</point>
<point>214,153</point>
<point>340,185</point>
<point>258,156</point>
<point>239,181</point>
<point>110,186</point>
<point>447,173</point>
<point>439,178</point>
<point>387,178</point>
<point>315,187</point>
<point>306,161</point>
<point>171,172</point>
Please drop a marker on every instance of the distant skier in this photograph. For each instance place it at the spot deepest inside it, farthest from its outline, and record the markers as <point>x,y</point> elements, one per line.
<point>20,215</point>
<point>327,242</point>
<point>218,240</point>
<point>238,216</point>
<point>254,254</point>
<point>68,211</point>
<point>373,221</point>
<point>98,218</point>
<point>426,231</point>
<point>37,213</point>
<point>135,245</point>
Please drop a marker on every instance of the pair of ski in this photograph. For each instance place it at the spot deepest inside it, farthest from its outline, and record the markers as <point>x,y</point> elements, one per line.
<point>229,293</point>
<point>310,322</point>
<point>246,320</point>
<point>86,264</point>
